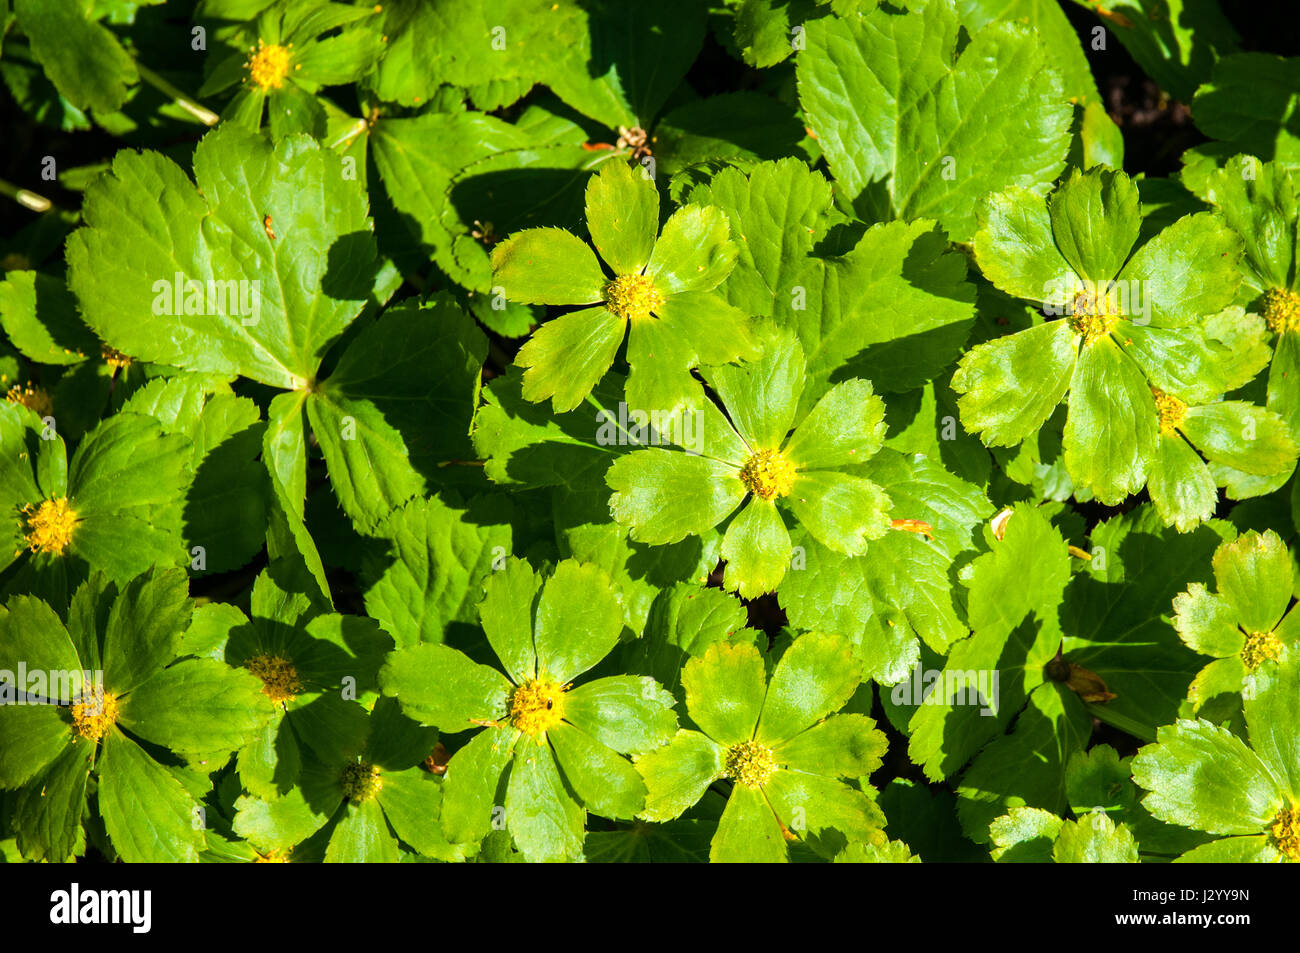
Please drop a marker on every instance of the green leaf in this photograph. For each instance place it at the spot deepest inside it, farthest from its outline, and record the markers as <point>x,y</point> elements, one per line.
<point>1249,102</point>
<point>1016,248</point>
<point>578,621</point>
<point>541,815</point>
<point>895,309</point>
<point>724,691</point>
<point>748,832</point>
<point>82,58</point>
<point>548,266</point>
<point>197,706</point>
<point>605,781</point>
<point>683,621</point>
<point>417,158</point>
<point>470,785</point>
<point>1180,484</point>
<point>815,677</point>
<point>1254,576</point>
<point>39,315</point>
<point>1095,839</point>
<point>623,712</point>
<point>846,426</point>
<point>506,613</point>
<point>362,837</point>
<point>1202,776</point>
<point>757,549</point>
<point>842,746</point>
<point>1025,835</point>
<point>1120,607</point>
<point>665,496</point>
<point>48,815</point>
<point>623,218</point>
<point>566,357</point>
<point>694,252</point>
<point>173,260</point>
<point>1232,850</point>
<point>761,397</point>
<point>1207,622</point>
<point>32,637</point>
<point>148,814</point>
<point>775,215</point>
<point>395,408</point>
<point>735,125</point>
<point>438,685</point>
<point>1188,270</point>
<point>1273,718</point>
<point>822,804</point>
<point>1233,433</point>
<point>434,556</point>
<point>144,628</point>
<point>1095,222</point>
<point>409,799</point>
<point>1112,432</point>
<point>1026,767</point>
<point>891,101</point>
<point>678,774</point>
<point>902,588</point>
<point>842,512</point>
<point>33,735</point>
<point>1009,386</point>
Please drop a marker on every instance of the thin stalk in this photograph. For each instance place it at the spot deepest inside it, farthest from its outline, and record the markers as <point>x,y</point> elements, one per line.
<point>186,102</point>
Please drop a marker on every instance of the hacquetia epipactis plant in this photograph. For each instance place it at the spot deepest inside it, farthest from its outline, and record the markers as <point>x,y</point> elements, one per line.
<point>432,434</point>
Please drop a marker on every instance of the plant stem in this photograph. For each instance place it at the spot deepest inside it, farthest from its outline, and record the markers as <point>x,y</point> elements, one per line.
<point>34,201</point>
<point>25,197</point>
<point>195,109</point>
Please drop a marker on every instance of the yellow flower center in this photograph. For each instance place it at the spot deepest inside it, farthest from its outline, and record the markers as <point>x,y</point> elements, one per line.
<point>1259,648</point>
<point>268,65</point>
<point>275,857</point>
<point>49,526</point>
<point>1094,315</point>
<point>279,677</point>
<point>361,782</point>
<point>750,763</point>
<point>1285,832</point>
<point>35,399</point>
<point>537,705</point>
<point>1172,410</point>
<point>94,714</point>
<point>768,474</point>
<point>1282,310</point>
<point>633,296</point>
<point>114,358</point>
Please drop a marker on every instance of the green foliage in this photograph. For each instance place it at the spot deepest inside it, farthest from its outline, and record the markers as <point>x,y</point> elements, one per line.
<point>753,431</point>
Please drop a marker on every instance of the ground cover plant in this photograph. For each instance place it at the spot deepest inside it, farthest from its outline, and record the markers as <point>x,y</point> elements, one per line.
<point>700,430</point>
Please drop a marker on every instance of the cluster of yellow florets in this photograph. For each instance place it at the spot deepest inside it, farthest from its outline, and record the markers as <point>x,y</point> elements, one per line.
<point>750,763</point>
<point>34,398</point>
<point>633,296</point>
<point>1259,648</point>
<point>1172,410</point>
<point>537,705</point>
<point>114,358</point>
<point>94,714</point>
<point>361,781</point>
<point>1094,315</point>
<point>49,526</point>
<point>1282,310</point>
<point>279,677</point>
<point>1285,832</point>
<point>268,65</point>
<point>768,474</point>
